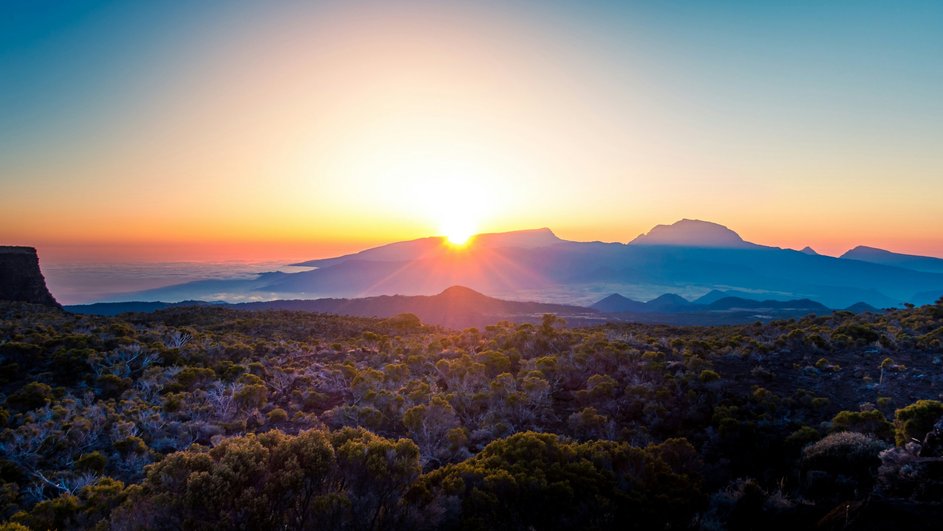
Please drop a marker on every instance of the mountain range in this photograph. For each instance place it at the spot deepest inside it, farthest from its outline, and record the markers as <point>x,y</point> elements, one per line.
<point>690,258</point>
<point>460,307</point>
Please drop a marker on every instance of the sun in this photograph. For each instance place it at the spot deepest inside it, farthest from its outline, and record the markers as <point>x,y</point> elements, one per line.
<point>458,229</point>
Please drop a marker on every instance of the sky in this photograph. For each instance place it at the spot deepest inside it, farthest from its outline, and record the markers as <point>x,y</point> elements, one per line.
<point>256,130</point>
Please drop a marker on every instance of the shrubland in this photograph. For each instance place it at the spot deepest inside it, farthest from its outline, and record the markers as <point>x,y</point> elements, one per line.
<point>203,417</point>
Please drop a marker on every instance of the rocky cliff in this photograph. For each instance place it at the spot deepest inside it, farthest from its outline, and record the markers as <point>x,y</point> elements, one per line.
<point>20,277</point>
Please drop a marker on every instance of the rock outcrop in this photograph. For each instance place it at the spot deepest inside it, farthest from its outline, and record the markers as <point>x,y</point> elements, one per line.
<point>20,277</point>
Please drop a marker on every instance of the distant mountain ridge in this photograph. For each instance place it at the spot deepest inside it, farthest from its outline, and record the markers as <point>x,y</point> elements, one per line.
<point>671,303</point>
<point>455,307</point>
<point>689,256</point>
<point>874,255</point>
<point>460,307</point>
<point>433,246</point>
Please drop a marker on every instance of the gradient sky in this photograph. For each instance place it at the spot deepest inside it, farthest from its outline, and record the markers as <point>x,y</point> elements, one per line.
<point>217,130</point>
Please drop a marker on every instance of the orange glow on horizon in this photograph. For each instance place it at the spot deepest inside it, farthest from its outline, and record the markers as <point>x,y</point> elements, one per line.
<point>348,127</point>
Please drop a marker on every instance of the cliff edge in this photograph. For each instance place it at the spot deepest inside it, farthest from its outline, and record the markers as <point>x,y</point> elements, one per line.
<point>20,277</point>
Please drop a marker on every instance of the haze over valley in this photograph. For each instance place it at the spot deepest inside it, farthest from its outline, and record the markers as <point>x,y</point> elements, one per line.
<point>689,258</point>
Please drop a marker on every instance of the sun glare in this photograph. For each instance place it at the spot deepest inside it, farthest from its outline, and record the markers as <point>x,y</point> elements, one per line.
<point>458,231</point>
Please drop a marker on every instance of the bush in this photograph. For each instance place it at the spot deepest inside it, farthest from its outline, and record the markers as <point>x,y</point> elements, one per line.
<point>405,322</point>
<point>111,386</point>
<point>708,375</point>
<point>845,452</point>
<point>277,415</point>
<point>315,480</point>
<point>802,437</point>
<point>915,420</point>
<point>251,396</point>
<point>31,396</point>
<point>819,402</point>
<point>92,462</point>
<point>512,484</point>
<point>872,422</point>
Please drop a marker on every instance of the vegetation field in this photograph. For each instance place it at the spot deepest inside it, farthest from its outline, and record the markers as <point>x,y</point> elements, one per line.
<point>213,418</point>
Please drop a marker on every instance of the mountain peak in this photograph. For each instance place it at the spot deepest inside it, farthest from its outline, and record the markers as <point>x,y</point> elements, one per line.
<point>669,302</point>
<point>616,303</point>
<point>864,250</point>
<point>809,251</point>
<point>460,292</point>
<point>691,233</point>
<point>672,298</point>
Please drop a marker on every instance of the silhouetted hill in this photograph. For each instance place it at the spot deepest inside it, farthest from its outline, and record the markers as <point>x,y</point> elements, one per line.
<point>712,295</point>
<point>808,250</point>
<point>862,307</point>
<point>20,277</point>
<point>455,307</point>
<point>674,309</point>
<point>716,295</point>
<point>461,307</point>
<point>669,302</point>
<point>926,264</point>
<point>617,303</point>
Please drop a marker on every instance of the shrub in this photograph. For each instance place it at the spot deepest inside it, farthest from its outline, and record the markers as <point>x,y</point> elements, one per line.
<point>92,462</point>
<point>31,396</point>
<point>819,402</point>
<point>915,420</point>
<point>512,484</point>
<point>349,479</point>
<point>872,422</point>
<point>251,396</point>
<point>708,375</point>
<point>277,415</point>
<point>802,437</point>
<point>844,451</point>
<point>111,385</point>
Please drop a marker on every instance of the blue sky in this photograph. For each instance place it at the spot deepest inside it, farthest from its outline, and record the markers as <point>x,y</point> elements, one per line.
<point>776,118</point>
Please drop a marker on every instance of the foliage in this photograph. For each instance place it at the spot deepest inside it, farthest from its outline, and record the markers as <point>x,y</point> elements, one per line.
<point>314,480</point>
<point>914,421</point>
<point>193,417</point>
<point>512,482</point>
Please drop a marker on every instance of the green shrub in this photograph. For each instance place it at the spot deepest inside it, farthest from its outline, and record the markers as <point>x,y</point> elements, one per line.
<point>708,375</point>
<point>92,462</point>
<point>820,402</point>
<point>872,422</point>
<point>915,420</point>
<point>31,396</point>
<point>277,415</point>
